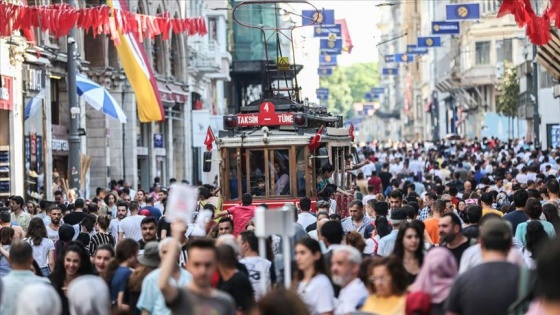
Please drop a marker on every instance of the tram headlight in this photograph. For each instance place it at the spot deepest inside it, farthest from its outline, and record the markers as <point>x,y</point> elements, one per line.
<point>300,120</point>
<point>230,122</point>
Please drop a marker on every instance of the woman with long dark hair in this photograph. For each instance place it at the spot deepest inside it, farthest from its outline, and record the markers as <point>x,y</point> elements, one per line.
<point>409,249</point>
<point>72,262</point>
<point>118,272</point>
<point>313,284</point>
<point>536,237</point>
<point>550,211</point>
<point>43,247</point>
<point>6,239</point>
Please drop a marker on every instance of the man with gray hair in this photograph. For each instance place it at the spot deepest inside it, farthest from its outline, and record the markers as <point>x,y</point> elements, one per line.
<point>345,268</point>
<point>387,243</point>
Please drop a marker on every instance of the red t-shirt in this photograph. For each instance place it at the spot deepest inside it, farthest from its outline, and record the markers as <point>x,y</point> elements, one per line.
<point>242,215</point>
<point>375,181</point>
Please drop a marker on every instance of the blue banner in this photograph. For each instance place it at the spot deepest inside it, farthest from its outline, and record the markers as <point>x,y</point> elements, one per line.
<point>445,27</point>
<point>463,11</point>
<point>326,30</point>
<point>327,60</point>
<point>368,96</point>
<point>369,108</point>
<point>404,58</point>
<point>432,41</point>
<point>415,50</point>
<point>312,17</point>
<point>324,71</point>
<point>390,71</point>
<point>389,58</point>
<point>322,93</point>
<point>330,44</point>
<point>378,90</point>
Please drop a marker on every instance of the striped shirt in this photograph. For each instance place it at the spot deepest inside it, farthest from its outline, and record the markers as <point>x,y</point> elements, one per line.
<point>100,239</point>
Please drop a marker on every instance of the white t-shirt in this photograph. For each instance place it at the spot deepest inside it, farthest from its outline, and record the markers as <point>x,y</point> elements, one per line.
<point>52,234</point>
<point>317,294</point>
<point>131,228</point>
<point>41,251</point>
<point>350,296</point>
<point>257,267</point>
<point>306,219</point>
<point>114,228</point>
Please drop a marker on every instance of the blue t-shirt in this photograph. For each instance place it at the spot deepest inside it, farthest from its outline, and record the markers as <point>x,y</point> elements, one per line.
<point>119,282</point>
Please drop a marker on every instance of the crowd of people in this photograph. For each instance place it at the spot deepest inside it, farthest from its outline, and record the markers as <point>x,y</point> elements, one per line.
<point>454,228</point>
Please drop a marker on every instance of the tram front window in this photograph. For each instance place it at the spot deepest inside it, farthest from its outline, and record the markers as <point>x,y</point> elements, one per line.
<point>257,173</point>
<point>279,166</point>
<point>301,171</point>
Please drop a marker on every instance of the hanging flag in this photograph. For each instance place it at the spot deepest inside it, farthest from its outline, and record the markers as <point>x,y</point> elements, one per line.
<point>404,58</point>
<point>415,50</point>
<point>445,27</point>
<point>351,132</point>
<point>463,11</point>
<point>209,140</point>
<point>324,71</point>
<point>378,90</point>
<point>389,58</point>
<point>390,71</point>
<point>316,140</point>
<point>313,17</point>
<point>346,36</point>
<point>432,41</point>
<point>327,60</point>
<point>139,73</point>
<point>326,30</point>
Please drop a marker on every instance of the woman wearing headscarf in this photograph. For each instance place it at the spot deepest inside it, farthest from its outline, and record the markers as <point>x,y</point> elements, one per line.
<point>435,279</point>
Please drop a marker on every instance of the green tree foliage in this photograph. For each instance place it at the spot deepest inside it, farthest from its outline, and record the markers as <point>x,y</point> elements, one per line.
<point>348,85</point>
<point>508,92</point>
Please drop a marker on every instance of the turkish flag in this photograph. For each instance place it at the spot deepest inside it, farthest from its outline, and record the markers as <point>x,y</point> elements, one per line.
<point>209,140</point>
<point>316,140</point>
<point>351,131</point>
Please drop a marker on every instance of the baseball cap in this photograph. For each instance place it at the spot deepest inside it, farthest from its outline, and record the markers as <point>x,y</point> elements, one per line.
<point>151,255</point>
<point>145,212</point>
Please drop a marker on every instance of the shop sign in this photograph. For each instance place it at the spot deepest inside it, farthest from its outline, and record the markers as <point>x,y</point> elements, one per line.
<point>6,93</point>
<point>60,145</point>
<point>158,141</point>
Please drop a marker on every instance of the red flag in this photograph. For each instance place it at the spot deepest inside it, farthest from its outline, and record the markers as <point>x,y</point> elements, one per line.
<point>316,140</point>
<point>351,131</point>
<point>209,139</point>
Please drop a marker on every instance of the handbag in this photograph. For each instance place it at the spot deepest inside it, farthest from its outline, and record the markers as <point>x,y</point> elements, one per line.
<point>524,296</point>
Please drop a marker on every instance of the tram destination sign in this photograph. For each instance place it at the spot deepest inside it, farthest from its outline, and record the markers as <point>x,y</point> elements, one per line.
<point>266,117</point>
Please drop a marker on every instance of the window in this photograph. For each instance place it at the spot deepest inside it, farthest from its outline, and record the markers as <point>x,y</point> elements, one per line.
<point>545,79</point>
<point>279,167</point>
<point>482,53</point>
<point>301,170</point>
<point>213,29</point>
<point>174,55</point>
<point>55,103</point>
<point>504,50</point>
<point>257,171</point>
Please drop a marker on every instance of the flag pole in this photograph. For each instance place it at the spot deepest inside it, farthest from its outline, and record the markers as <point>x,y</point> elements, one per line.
<point>73,137</point>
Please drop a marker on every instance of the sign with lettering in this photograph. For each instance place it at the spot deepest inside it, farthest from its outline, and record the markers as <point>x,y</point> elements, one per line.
<point>6,94</point>
<point>60,145</point>
<point>34,78</point>
<point>266,117</point>
<point>181,203</point>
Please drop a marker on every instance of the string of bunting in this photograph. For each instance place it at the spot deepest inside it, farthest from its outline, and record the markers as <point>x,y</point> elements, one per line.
<point>59,19</point>
<point>538,27</point>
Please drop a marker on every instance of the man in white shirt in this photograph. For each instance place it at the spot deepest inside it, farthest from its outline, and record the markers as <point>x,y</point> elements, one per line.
<point>130,227</point>
<point>122,211</point>
<point>258,268</point>
<point>305,217</point>
<point>345,268</point>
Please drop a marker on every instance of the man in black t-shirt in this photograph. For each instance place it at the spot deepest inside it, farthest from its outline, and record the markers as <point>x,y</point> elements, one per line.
<point>234,282</point>
<point>451,237</point>
<point>149,231</point>
<point>77,215</point>
<point>518,216</point>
